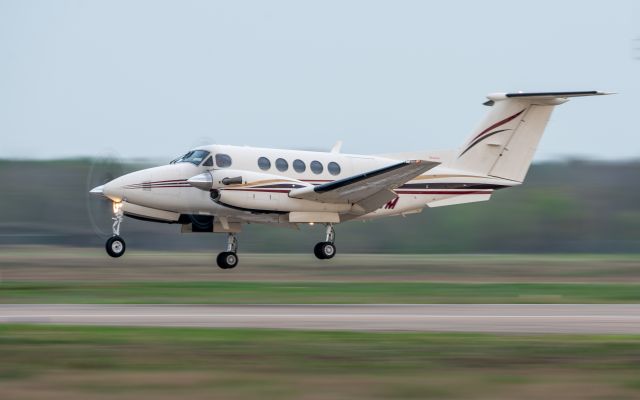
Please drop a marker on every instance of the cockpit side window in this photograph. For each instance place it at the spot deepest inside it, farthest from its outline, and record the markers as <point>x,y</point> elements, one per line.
<point>194,157</point>
<point>208,162</point>
<point>223,160</point>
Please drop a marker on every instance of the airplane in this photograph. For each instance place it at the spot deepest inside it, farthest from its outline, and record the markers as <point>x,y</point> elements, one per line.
<point>220,188</point>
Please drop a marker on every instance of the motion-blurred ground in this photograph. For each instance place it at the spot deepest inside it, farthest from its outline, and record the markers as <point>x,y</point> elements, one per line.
<point>165,363</point>
<point>154,363</point>
<point>577,222</point>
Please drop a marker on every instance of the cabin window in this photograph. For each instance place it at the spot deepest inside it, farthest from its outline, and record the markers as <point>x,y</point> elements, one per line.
<point>316,167</point>
<point>223,160</point>
<point>264,163</point>
<point>208,162</point>
<point>333,168</point>
<point>299,166</point>
<point>282,164</point>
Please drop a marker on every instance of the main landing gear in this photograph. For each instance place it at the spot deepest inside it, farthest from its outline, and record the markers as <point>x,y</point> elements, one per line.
<point>229,259</point>
<point>327,249</point>
<point>115,245</point>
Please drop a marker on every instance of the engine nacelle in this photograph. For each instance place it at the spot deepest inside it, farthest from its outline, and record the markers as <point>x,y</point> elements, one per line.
<point>223,178</point>
<point>257,191</point>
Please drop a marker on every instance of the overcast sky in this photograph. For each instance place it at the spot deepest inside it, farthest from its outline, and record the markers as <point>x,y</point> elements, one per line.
<point>154,78</point>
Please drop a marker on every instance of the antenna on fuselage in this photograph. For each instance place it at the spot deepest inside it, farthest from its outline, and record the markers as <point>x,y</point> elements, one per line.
<point>336,147</point>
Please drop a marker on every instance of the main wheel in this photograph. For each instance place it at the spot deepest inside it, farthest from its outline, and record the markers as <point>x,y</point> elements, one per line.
<point>324,250</point>
<point>227,260</point>
<point>115,246</point>
<point>328,250</point>
<point>317,251</point>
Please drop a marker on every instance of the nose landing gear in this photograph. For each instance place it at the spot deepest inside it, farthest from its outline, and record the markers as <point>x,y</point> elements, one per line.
<point>115,245</point>
<point>229,259</point>
<point>327,249</point>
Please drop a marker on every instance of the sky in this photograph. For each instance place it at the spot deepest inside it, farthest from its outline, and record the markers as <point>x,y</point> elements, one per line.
<point>152,79</point>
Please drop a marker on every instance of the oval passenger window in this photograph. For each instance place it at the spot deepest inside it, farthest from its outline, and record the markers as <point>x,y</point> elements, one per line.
<point>333,168</point>
<point>299,166</point>
<point>282,164</point>
<point>316,167</point>
<point>264,163</point>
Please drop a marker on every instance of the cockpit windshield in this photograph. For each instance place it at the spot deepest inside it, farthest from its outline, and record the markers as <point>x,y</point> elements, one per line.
<point>194,157</point>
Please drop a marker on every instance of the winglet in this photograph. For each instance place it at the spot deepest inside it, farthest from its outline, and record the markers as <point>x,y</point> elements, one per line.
<point>336,147</point>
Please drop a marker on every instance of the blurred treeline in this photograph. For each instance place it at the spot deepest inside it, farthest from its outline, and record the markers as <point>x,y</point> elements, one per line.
<point>570,206</point>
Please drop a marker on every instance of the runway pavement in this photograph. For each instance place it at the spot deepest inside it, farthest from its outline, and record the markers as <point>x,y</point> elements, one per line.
<point>516,318</point>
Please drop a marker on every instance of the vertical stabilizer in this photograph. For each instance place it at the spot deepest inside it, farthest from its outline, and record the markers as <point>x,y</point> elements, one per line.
<point>505,142</point>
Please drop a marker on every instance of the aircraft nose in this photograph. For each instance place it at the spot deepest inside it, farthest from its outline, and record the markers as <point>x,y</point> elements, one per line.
<point>97,190</point>
<point>113,190</point>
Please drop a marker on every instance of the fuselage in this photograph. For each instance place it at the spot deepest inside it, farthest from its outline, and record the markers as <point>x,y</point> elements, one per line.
<point>267,176</point>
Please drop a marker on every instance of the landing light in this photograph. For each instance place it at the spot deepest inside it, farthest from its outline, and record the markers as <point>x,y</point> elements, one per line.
<point>117,206</point>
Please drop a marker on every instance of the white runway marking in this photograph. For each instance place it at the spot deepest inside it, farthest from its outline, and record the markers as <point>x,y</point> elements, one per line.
<point>520,318</point>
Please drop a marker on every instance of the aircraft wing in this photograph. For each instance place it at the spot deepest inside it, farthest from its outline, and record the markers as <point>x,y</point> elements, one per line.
<point>375,186</point>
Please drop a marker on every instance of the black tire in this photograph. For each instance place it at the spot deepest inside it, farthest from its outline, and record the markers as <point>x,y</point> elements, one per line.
<point>324,250</point>
<point>317,250</point>
<point>227,260</point>
<point>115,246</point>
<point>328,250</point>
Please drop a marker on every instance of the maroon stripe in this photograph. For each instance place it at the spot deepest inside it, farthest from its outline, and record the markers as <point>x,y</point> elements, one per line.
<point>170,180</point>
<point>159,186</point>
<point>157,182</point>
<point>442,192</point>
<point>260,190</point>
<point>488,135</point>
<point>152,186</point>
<point>497,124</point>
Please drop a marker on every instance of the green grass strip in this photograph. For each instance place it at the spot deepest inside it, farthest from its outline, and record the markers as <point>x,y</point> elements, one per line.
<point>314,292</point>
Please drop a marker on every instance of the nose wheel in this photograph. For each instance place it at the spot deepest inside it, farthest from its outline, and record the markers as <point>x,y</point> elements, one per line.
<point>327,249</point>
<point>115,245</point>
<point>229,259</point>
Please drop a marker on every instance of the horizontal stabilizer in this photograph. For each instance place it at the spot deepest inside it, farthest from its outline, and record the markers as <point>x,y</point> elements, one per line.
<point>493,97</point>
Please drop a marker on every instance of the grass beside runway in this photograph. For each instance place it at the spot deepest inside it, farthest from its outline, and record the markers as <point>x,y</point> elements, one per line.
<point>166,363</point>
<point>34,263</point>
<point>314,292</point>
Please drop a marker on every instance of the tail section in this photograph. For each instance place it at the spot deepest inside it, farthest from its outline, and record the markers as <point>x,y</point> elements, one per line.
<point>504,143</point>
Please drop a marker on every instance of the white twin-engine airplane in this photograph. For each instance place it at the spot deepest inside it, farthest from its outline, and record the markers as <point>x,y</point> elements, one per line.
<point>219,188</point>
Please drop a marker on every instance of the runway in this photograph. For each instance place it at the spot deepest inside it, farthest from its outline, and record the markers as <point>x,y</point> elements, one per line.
<point>513,318</point>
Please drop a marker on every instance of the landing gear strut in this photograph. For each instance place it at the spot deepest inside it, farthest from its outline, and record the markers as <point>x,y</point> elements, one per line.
<point>229,259</point>
<point>327,249</point>
<point>115,245</point>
